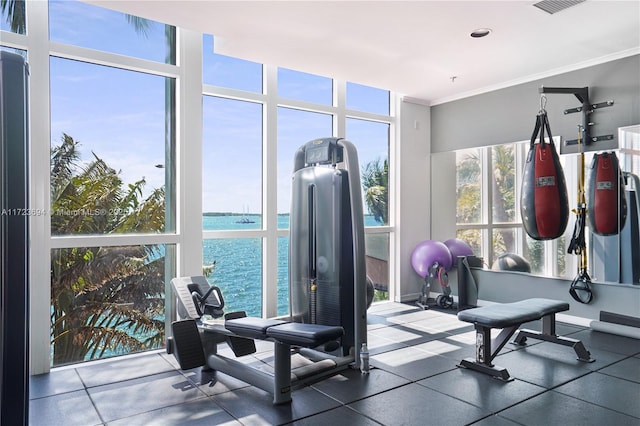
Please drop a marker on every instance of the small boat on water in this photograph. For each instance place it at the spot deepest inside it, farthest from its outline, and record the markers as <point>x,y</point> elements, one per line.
<point>245,220</point>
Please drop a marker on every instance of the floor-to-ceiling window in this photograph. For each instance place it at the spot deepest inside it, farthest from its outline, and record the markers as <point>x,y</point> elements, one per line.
<point>114,167</point>
<point>111,145</point>
<point>251,132</point>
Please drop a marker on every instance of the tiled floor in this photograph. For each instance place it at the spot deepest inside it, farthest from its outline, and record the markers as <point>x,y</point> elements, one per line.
<point>414,381</point>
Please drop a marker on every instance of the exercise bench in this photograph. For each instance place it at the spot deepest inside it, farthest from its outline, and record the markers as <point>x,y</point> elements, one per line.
<point>509,317</point>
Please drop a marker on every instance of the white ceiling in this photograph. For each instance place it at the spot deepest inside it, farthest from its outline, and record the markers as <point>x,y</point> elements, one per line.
<point>410,47</point>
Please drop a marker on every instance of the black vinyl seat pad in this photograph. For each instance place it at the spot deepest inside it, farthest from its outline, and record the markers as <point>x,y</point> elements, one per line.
<point>308,335</point>
<point>293,333</point>
<point>254,328</point>
<point>505,315</point>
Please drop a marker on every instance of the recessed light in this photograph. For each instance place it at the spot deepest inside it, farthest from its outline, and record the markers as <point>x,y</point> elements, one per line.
<point>480,32</point>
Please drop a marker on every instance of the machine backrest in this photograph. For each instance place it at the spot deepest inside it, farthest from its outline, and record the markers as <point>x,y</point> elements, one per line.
<point>183,288</point>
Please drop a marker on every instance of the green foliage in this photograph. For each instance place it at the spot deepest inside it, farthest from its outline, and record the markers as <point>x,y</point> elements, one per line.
<point>375,182</point>
<point>104,300</point>
<point>14,11</point>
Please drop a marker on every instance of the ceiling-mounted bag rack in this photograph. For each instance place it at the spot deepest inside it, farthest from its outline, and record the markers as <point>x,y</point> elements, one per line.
<point>582,94</point>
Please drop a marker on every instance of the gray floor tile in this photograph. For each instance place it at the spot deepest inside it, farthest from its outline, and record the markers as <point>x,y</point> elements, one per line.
<point>450,347</point>
<point>126,399</point>
<point>412,364</point>
<point>252,406</point>
<point>378,344</point>
<point>351,385</point>
<point>553,408</point>
<point>628,369</point>
<point>608,342</point>
<point>551,365</point>
<point>213,382</point>
<point>563,354</point>
<point>417,405</point>
<point>406,335</point>
<point>495,420</point>
<point>607,391</point>
<point>337,416</point>
<point>481,390</point>
<point>200,412</point>
<point>418,384</point>
<point>53,383</point>
<point>68,409</point>
<point>391,308</point>
<point>96,374</point>
<point>444,323</point>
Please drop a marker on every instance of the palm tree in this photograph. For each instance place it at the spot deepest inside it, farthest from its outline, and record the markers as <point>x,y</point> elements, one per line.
<point>104,300</point>
<point>15,12</point>
<point>375,182</point>
<point>503,198</point>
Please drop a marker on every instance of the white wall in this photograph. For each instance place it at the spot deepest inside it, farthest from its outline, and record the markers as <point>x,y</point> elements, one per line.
<point>413,207</point>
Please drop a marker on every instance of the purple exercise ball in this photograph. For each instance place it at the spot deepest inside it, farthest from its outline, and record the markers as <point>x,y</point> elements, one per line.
<point>458,247</point>
<point>427,253</point>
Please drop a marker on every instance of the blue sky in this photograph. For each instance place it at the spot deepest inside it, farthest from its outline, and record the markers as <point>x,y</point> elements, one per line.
<point>119,114</point>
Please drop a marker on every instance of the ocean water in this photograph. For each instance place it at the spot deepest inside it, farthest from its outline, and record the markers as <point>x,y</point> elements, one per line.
<point>238,262</point>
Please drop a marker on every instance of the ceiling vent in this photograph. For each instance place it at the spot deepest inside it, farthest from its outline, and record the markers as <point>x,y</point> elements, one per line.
<point>555,6</point>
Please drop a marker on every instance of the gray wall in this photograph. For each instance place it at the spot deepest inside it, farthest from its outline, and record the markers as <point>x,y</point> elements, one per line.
<point>508,115</point>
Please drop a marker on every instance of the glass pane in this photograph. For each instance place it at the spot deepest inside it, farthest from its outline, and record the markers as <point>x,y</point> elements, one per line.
<point>560,267</point>
<point>504,191</point>
<point>305,87</point>
<point>504,241</point>
<point>283,271</point>
<point>368,99</point>
<point>13,16</point>
<point>107,301</point>
<point>108,150</point>
<point>372,143</point>
<point>235,265</point>
<point>377,261</point>
<point>229,72</point>
<point>81,24</point>
<point>232,161</point>
<point>468,186</point>
<point>295,128</point>
<point>20,52</point>
<point>535,254</point>
<point>473,237</point>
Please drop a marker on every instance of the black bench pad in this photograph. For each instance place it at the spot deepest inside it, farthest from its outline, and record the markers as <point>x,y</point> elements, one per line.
<point>309,335</point>
<point>511,314</point>
<point>254,328</point>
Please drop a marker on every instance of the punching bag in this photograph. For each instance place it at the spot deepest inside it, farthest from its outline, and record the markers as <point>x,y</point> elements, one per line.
<point>544,204</point>
<point>606,202</point>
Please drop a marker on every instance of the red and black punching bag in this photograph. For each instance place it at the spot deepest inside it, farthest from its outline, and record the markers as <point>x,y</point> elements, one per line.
<point>606,202</point>
<point>544,204</point>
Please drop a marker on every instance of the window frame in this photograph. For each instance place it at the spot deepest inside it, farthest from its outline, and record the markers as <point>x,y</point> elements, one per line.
<point>487,225</point>
<point>185,240</point>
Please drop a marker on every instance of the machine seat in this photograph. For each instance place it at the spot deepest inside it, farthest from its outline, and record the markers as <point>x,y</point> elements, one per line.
<point>251,327</point>
<point>307,335</point>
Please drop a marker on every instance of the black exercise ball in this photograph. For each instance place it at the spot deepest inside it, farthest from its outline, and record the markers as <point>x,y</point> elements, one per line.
<point>511,262</point>
<point>370,291</point>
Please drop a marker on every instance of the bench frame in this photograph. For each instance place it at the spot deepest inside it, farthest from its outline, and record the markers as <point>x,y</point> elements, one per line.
<point>487,348</point>
<point>195,344</point>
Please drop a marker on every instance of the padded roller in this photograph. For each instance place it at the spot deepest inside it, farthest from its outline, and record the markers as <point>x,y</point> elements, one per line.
<point>187,346</point>
<point>308,335</point>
